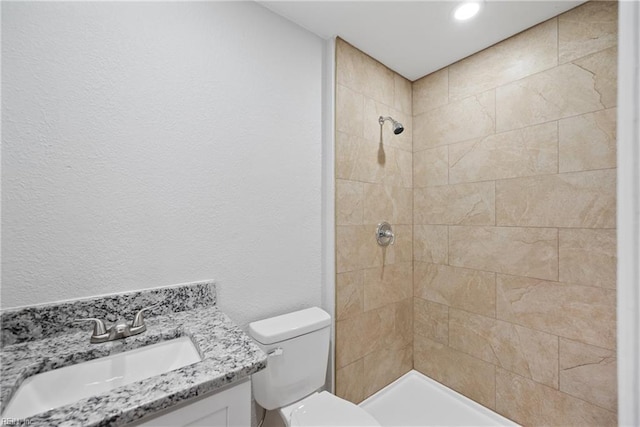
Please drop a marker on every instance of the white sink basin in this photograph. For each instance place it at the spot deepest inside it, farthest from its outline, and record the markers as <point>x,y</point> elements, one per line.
<point>63,386</point>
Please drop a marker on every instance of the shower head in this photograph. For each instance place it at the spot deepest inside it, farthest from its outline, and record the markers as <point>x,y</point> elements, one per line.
<point>397,126</point>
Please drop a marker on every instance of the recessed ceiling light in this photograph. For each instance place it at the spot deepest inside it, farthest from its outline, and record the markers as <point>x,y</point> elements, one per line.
<point>466,10</point>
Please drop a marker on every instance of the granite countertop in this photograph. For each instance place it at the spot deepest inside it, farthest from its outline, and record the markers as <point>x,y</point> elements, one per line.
<point>228,355</point>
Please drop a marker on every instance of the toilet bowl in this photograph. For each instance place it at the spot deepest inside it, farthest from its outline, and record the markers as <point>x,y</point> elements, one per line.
<point>297,346</point>
<point>325,409</point>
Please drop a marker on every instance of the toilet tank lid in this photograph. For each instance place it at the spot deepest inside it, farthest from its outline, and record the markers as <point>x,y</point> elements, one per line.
<point>290,325</point>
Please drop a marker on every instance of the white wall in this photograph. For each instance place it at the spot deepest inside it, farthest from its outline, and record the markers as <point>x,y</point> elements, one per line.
<point>149,144</point>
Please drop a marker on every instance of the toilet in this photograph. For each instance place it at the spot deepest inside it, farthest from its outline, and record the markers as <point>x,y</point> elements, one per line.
<point>297,345</point>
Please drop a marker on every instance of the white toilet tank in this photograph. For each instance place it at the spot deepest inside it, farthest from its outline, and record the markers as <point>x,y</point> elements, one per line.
<point>298,347</point>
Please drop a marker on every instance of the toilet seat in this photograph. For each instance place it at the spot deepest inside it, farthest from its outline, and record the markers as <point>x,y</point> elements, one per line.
<point>325,409</point>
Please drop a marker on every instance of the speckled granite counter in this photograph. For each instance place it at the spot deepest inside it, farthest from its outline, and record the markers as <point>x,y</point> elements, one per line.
<point>228,354</point>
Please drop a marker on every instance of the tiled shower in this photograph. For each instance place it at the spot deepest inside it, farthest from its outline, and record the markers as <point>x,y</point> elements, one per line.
<point>501,193</point>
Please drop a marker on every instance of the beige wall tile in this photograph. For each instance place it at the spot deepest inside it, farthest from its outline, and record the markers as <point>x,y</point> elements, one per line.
<point>603,67</point>
<point>388,284</point>
<point>522,152</point>
<point>381,164</point>
<point>589,373</point>
<point>371,125</point>
<point>349,63</point>
<point>531,252</point>
<point>582,313</point>
<point>529,353</point>
<point>402,332</point>
<point>589,28</point>
<point>588,257</point>
<point>388,327</point>
<point>560,92</point>
<point>431,167</point>
<point>356,248</point>
<point>530,403</point>
<point>529,52</point>
<point>543,201</point>
<point>431,320</point>
<point>402,249</point>
<point>386,203</point>
<point>363,74</point>
<point>349,202</point>
<point>402,94</point>
<point>431,243</point>
<point>431,91</point>
<point>404,160</point>
<point>384,366</point>
<point>349,294</point>
<point>469,290</point>
<point>349,111</point>
<point>472,377</point>
<point>347,147</point>
<point>458,121</point>
<point>472,204</point>
<point>350,382</point>
<point>588,141</point>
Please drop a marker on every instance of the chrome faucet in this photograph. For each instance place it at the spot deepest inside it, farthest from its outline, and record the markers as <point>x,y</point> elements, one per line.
<point>120,329</point>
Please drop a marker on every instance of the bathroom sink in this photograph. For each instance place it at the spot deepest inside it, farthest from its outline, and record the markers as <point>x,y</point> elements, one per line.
<point>64,386</point>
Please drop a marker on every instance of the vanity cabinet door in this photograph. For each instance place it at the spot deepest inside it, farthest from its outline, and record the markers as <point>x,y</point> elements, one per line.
<point>228,407</point>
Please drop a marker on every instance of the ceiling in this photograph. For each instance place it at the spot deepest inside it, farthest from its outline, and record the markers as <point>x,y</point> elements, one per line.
<point>415,38</point>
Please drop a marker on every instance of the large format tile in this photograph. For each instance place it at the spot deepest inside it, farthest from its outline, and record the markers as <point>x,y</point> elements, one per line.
<point>469,290</point>
<point>588,141</point>
<point>360,160</point>
<point>431,167</point>
<point>468,204</point>
<point>402,94</point>
<point>529,52</point>
<point>402,249</point>
<point>560,92</point>
<point>349,202</point>
<point>349,111</point>
<point>589,373</point>
<point>577,199</point>
<point>384,366</point>
<point>531,252</point>
<point>588,257</point>
<point>349,294</point>
<point>583,313</point>
<point>472,377</point>
<point>387,203</point>
<point>521,152</point>
<point>356,248</point>
<point>431,320</point>
<point>472,117</point>
<point>388,284</point>
<point>533,404</point>
<point>387,327</point>
<point>431,91</point>
<point>431,243</point>
<point>603,67</point>
<point>529,353</point>
<point>363,74</point>
<point>589,28</point>
<point>350,382</point>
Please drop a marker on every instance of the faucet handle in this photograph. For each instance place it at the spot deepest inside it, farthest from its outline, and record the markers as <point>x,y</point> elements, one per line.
<point>99,328</point>
<point>138,319</point>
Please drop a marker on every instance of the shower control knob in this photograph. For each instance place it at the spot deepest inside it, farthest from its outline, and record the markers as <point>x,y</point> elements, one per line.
<point>384,234</point>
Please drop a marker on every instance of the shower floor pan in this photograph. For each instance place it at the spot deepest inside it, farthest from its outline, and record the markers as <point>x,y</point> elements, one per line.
<point>417,400</point>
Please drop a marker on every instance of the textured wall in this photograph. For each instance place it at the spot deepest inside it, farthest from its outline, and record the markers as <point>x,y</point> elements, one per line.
<point>374,184</point>
<point>514,222</point>
<point>148,144</point>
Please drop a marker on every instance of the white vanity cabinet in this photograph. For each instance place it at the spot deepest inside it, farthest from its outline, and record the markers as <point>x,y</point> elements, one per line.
<point>229,406</point>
